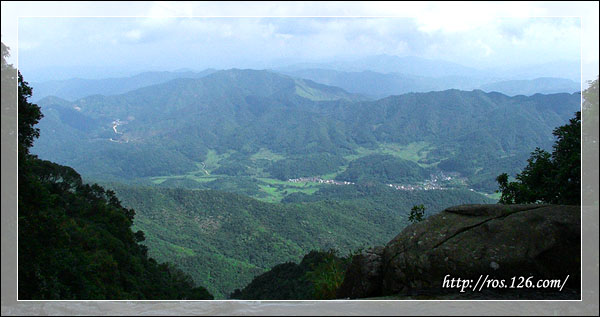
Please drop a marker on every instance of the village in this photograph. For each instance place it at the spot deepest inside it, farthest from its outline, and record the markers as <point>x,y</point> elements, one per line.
<point>318,180</point>
<point>435,182</point>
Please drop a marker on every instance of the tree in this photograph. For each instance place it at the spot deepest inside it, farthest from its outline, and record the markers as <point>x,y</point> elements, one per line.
<point>9,110</point>
<point>327,275</point>
<point>552,178</point>
<point>75,239</point>
<point>417,213</point>
<point>29,115</point>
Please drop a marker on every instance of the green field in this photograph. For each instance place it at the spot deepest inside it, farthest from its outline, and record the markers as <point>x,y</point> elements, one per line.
<point>265,154</point>
<point>269,189</point>
<point>276,190</point>
<point>414,152</point>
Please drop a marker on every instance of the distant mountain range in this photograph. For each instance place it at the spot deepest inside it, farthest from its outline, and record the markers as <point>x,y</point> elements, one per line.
<point>368,83</point>
<point>375,76</point>
<point>559,69</point>
<point>409,65</point>
<point>384,84</point>
<point>170,127</point>
<point>543,85</point>
<point>417,66</point>
<point>75,88</point>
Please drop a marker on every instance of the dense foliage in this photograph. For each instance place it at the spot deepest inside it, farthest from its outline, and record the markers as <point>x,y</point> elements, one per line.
<point>328,274</point>
<point>306,165</point>
<point>75,240</point>
<point>553,178</point>
<point>383,168</point>
<point>314,277</point>
<point>29,116</point>
<point>223,239</point>
<point>417,213</point>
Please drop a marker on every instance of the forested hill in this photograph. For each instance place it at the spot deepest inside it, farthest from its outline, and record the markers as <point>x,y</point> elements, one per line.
<point>223,239</point>
<point>76,242</point>
<point>170,128</point>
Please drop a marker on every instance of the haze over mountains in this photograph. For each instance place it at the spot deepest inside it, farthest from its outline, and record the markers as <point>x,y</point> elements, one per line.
<point>76,88</point>
<point>384,84</point>
<point>409,65</point>
<point>418,66</point>
<point>375,76</point>
<point>543,85</point>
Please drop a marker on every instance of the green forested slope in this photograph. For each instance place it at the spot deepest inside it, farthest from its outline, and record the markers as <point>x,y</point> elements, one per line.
<point>75,242</point>
<point>315,277</point>
<point>223,240</point>
<point>384,168</point>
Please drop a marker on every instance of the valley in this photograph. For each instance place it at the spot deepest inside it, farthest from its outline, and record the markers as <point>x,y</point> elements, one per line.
<point>273,189</point>
<point>180,155</point>
<point>268,130</point>
<point>235,172</point>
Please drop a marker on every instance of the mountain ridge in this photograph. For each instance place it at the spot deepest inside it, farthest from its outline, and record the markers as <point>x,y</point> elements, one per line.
<point>244,111</point>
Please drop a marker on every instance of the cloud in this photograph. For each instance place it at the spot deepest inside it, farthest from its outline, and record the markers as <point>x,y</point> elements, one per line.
<point>171,43</point>
<point>133,35</point>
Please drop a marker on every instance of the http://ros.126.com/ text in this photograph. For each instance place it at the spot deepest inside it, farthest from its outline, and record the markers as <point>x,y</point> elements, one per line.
<point>515,282</point>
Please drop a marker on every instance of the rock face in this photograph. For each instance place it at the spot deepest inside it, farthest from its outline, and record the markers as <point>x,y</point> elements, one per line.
<point>502,241</point>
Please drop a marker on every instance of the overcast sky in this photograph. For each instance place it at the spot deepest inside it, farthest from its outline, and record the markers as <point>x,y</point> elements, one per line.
<point>482,35</point>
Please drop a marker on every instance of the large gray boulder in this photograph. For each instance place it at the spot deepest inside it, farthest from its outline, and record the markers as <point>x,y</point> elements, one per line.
<point>501,241</point>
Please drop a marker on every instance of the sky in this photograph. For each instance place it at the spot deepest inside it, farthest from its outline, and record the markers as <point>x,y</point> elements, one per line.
<point>165,36</point>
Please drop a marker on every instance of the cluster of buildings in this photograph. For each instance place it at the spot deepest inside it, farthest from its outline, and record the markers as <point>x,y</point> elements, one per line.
<point>425,186</point>
<point>433,183</point>
<point>318,180</point>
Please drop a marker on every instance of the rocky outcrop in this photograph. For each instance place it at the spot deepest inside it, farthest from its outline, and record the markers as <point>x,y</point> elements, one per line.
<point>500,241</point>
